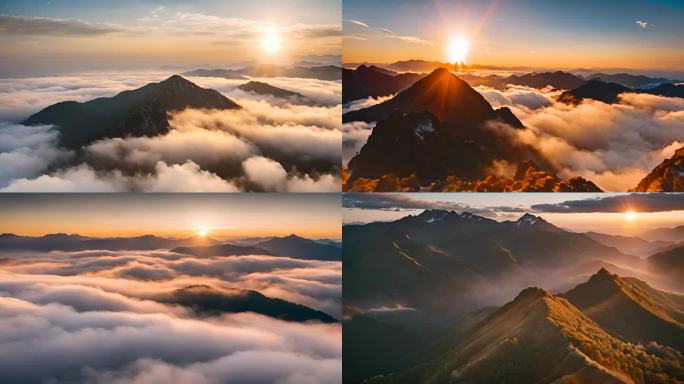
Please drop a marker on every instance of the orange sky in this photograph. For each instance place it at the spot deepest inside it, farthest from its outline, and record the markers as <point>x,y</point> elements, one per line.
<point>223,215</point>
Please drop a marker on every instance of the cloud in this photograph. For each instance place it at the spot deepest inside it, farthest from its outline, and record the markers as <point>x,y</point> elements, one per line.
<point>641,24</point>
<point>166,178</point>
<point>26,152</point>
<point>613,145</point>
<point>640,202</point>
<point>271,176</point>
<point>98,316</point>
<point>206,148</point>
<point>518,95</point>
<point>356,22</point>
<point>32,25</point>
<point>355,136</point>
<point>393,202</point>
<point>353,37</point>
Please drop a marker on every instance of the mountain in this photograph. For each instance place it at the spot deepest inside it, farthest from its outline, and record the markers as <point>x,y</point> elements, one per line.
<point>671,234</point>
<point>224,73</point>
<point>667,89</point>
<point>542,338</point>
<point>670,264</point>
<point>372,81</point>
<point>528,178</point>
<point>140,112</point>
<point>630,245</point>
<point>628,80</point>
<point>630,309</point>
<point>301,248</point>
<point>478,260</point>
<point>667,176</point>
<point>206,300</point>
<point>558,80</point>
<point>65,242</point>
<point>594,89</point>
<point>434,129</point>
<point>324,72</point>
<point>267,89</point>
<point>441,93</point>
<point>221,250</point>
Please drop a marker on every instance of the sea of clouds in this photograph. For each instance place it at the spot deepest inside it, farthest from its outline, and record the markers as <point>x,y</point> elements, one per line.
<point>96,317</point>
<point>613,145</point>
<point>271,145</point>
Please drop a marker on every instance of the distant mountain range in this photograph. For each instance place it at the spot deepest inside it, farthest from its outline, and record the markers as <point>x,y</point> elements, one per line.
<point>290,246</point>
<point>436,129</point>
<point>206,300</point>
<point>445,269</point>
<point>325,72</point>
<point>668,176</point>
<point>139,112</point>
<point>69,243</point>
<point>364,82</point>
<point>600,90</point>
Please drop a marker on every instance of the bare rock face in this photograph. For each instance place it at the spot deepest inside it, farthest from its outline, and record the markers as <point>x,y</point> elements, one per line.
<point>668,176</point>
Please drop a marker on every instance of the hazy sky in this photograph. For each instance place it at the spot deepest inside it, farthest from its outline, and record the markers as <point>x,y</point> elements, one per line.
<point>177,215</point>
<point>581,212</point>
<point>537,33</point>
<point>58,35</point>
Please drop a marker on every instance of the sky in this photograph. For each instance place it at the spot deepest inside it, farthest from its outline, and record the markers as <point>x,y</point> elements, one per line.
<point>532,33</point>
<point>54,36</point>
<point>223,216</point>
<point>580,212</point>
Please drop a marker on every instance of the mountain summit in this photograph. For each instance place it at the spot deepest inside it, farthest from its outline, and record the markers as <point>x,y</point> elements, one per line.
<point>139,112</point>
<point>668,176</point>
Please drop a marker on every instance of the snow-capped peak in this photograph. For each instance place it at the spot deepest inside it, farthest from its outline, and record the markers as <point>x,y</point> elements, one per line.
<point>527,219</point>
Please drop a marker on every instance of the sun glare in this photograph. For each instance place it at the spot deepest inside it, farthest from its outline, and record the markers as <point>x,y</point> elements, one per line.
<point>202,232</point>
<point>458,50</point>
<point>630,215</point>
<point>271,42</point>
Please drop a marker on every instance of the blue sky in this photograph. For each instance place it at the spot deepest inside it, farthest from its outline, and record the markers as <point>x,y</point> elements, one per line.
<point>523,32</point>
<point>55,36</point>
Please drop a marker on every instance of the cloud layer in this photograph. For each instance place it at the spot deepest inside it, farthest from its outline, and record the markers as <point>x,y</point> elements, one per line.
<point>613,145</point>
<point>209,150</point>
<point>96,316</point>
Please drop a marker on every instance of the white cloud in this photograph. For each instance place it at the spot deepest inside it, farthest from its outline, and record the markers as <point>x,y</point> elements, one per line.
<point>642,24</point>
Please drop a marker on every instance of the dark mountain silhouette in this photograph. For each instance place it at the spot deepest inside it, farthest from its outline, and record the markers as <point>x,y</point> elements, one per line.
<point>140,112</point>
<point>628,80</point>
<point>301,248</point>
<point>669,263</point>
<point>558,80</point>
<point>441,93</point>
<point>364,82</point>
<point>594,89</point>
<point>630,245</point>
<point>438,127</point>
<point>65,242</point>
<point>221,250</point>
<point>542,338</point>
<point>325,72</point>
<point>667,176</point>
<point>267,89</point>
<point>669,90</point>
<point>630,309</point>
<point>224,73</point>
<point>206,300</point>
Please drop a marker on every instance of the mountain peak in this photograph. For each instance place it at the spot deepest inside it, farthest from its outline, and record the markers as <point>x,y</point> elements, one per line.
<point>668,176</point>
<point>528,219</point>
<point>531,292</point>
<point>433,215</point>
<point>178,81</point>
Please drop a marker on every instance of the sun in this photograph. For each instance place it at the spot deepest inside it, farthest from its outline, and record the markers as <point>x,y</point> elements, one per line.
<point>202,232</point>
<point>458,50</point>
<point>630,215</point>
<point>271,42</point>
